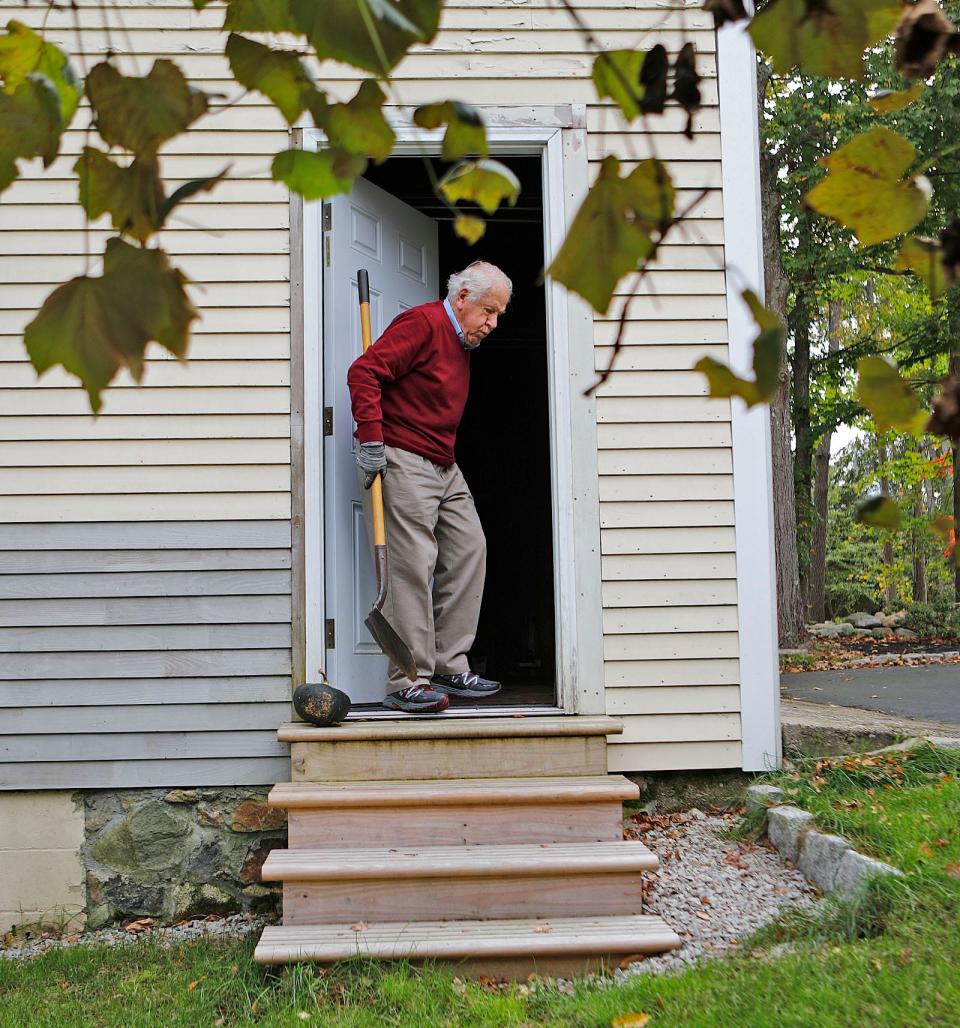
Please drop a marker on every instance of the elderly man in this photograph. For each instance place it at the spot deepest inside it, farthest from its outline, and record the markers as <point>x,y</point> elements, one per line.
<point>408,393</point>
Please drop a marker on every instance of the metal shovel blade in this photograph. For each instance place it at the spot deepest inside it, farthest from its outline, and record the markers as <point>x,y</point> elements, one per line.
<point>391,643</point>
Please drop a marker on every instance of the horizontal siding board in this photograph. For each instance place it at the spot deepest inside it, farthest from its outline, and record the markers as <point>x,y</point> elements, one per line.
<point>688,727</point>
<point>691,513</point>
<point>99,453</point>
<point>699,699</point>
<point>659,488</point>
<point>242,243</point>
<point>196,400</point>
<point>174,717</point>
<point>686,756</point>
<point>651,357</point>
<point>136,774</point>
<point>641,436</point>
<point>671,593</point>
<point>649,567</point>
<point>633,620</point>
<point>119,638</point>
<point>52,562</point>
<point>33,482</point>
<point>112,692</point>
<point>701,461</point>
<point>163,426</point>
<point>686,671</point>
<point>195,535</point>
<point>136,746</point>
<point>669,542</point>
<point>149,507</point>
<point>680,410</point>
<point>166,610</point>
<point>157,583</point>
<point>670,646</point>
<point>145,664</point>
<point>164,375</point>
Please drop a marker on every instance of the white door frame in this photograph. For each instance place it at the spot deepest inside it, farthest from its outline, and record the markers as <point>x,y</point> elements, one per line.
<point>558,133</point>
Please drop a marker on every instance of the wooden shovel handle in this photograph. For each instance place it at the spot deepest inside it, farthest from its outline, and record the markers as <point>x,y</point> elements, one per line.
<point>376,490</point>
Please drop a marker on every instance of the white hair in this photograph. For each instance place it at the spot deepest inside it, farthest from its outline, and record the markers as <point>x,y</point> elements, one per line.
<point>478,279</point>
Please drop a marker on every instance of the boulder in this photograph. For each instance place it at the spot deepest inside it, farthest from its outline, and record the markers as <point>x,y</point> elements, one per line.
<point>256,816</point>
<point>894,620</point>
<point>785,826</point>
<point>854,872</point>
<point>759,797</point>
<point>906,635</point>
<point>861,619</point>
<point>820,857</point>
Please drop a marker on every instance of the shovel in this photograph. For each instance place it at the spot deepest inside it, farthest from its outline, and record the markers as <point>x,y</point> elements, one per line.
<point>379,627</point>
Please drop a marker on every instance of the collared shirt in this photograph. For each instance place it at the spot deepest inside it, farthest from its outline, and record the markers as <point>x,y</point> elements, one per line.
<point>456,327</point>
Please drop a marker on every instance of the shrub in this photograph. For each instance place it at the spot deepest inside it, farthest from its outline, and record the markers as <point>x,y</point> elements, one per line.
<point>938,619</point>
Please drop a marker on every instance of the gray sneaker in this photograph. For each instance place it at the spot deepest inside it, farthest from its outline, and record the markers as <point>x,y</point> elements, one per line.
<point>417,699</point>
<point>465,684</point>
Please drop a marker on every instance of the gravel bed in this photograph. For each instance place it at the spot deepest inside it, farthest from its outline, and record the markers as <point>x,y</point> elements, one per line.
<point>712,891</point>
<point>234,927</point>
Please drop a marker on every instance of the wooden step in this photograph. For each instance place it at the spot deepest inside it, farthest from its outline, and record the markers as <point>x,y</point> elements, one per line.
<point>452,812</point>
<point>552,946</point>
<point>443,747</point>
<point>460,883</point>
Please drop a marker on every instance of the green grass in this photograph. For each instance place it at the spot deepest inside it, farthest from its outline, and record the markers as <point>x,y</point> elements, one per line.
<point>891,960</point>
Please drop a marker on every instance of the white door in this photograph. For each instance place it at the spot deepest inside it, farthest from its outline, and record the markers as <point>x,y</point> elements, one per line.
<point>397,245</point>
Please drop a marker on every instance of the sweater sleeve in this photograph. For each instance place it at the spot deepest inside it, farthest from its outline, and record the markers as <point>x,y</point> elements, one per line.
<point>390,357</point>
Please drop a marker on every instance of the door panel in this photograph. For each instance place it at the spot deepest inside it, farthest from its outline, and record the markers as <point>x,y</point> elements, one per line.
<point>368,228</point>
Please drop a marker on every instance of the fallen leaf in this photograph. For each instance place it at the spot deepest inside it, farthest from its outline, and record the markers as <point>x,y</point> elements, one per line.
<point>925,850</point>
<point>877,965</point>
<point>941,843</point>
<point>303,1015</point>
<point>194,984</point>
<point>543,929</point>
<point>953,870</point>
<point>632,1020</point>
<point>459,987</point>
<point>634,958</point>
<point>360,926</point>
<point>141,925</point>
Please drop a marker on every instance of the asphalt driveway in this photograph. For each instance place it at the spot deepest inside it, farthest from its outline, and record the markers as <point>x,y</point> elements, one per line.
<point>929,691</point>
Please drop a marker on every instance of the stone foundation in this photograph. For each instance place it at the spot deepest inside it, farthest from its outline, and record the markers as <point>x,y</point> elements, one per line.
<point>171,854</point>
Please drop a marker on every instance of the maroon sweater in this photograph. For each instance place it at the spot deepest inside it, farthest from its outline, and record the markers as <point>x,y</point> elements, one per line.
<point>410,387</point>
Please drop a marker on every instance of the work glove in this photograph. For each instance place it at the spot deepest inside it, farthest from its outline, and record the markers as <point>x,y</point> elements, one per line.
<point>372,461</point>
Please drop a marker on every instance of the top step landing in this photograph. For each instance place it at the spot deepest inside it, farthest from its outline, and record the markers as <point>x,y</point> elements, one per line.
<point>440,727</point>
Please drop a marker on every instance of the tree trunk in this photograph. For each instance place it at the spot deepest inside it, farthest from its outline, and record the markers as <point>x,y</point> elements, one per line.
<point>802,435</point>
<point>817,587</point>
<point>919,557</point>
<point>777,287</point>
<point>955,370</point>
<point>890,592</point>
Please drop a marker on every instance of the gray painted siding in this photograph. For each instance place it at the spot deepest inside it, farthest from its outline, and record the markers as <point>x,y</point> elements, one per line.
<point>144,654</point>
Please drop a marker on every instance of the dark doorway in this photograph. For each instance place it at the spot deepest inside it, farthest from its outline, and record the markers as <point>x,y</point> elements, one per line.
<point>503,444</point>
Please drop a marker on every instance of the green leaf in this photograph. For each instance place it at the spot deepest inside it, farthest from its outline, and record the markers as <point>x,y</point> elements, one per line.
<point>142,113</point>
<point>466,133</point>
<point>886,101</point>
<point>370,34</point>
<point>317,175</point>
<point>889,397</point>
<point>616,74</point>
<point>188,189</point>
<point>279,75</point>
<point>767,353</point>
<point>823,37</point>
<point>469,227</point>
<point>358,126</point>
<point>611,232</point>
<point>30,125</point>
<point>924,257</point>
<point>259,16</point>
<point>96,326</point>
<point>878,512</point>
<point>133,195</point>
<point>486,183</point>
<point>865,191</point>
<point>23,53</point>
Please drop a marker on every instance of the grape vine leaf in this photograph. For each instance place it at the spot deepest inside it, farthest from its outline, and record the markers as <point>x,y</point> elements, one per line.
<point>96,326</point>
<point>878,512</point>
<point>886,101</point>
<point>133,195</point>
<point>257,16</point>
<point>317,175</point>
<point>278,74</point>
<point>140,113</point>
<point>616,74</point>
<point>823,37</point>
<point>924,37</point>
<point>465,135</point>
<point>865,190</point>
<point>370,34</point>
<point>891,400</point>
<point>30,125</point>
<point>358,126</point>
<point>613,229</point>
<point>485,182</point>
<point>767,353</point>
<point>24,53</point>
<point>469,227</point>
<point>924,257</point>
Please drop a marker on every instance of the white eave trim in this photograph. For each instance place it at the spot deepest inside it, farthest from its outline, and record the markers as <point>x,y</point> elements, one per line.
<point>752,469</point>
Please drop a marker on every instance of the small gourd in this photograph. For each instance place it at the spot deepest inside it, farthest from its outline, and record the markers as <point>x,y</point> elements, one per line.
<point>320,703</point>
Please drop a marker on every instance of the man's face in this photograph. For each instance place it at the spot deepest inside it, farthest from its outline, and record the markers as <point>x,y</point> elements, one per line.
<point>478,318</point>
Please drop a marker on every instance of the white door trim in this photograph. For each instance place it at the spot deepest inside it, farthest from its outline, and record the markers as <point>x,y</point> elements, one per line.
<point>559,134</point>
<point>752,469</point>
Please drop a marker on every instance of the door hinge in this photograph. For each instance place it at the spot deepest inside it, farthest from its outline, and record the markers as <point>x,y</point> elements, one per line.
<point>328,421</point>
<point>330,634</point>
<point>327,217</point>
<point>326,251</point>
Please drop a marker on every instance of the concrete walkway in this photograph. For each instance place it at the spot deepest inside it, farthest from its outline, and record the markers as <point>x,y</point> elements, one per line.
<point>929,692</point>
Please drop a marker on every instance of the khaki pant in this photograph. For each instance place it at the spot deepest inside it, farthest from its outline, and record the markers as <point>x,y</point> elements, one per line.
<point>433,533</point>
